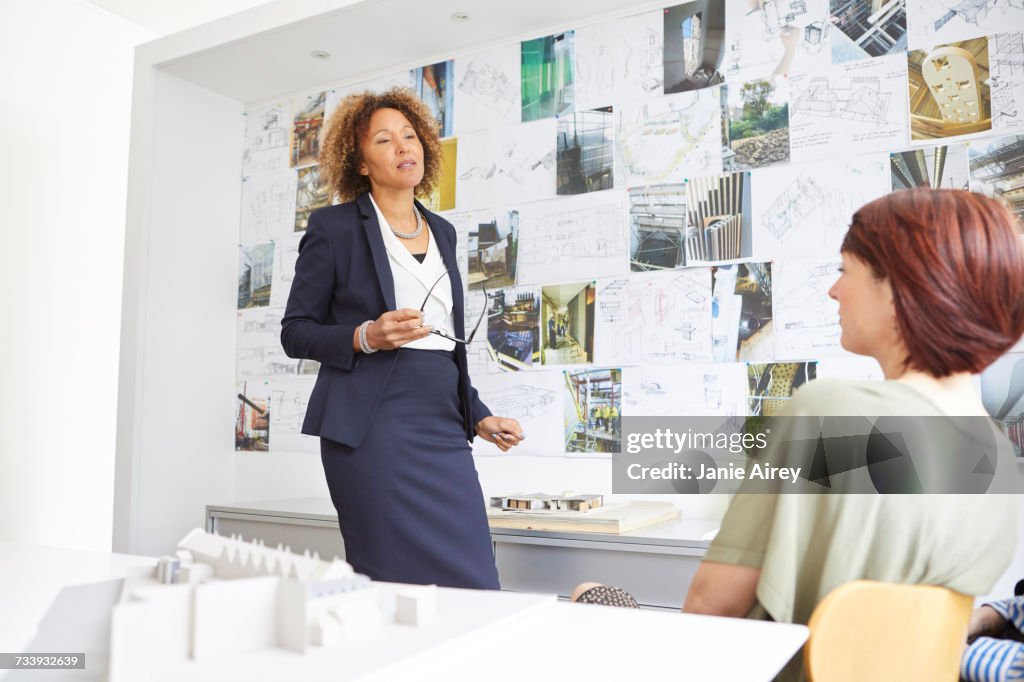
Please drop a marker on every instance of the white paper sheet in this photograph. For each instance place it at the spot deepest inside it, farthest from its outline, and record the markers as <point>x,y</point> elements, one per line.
<point>690,390</point>
<point>534,399</point>
<point>617,324</point>
<point>266,142</point>
<point>781,38</point>
<point>288,400</point>
<point>806,319</point>
<point>674,309</point>
<point>488,89</point>
<point>268,206</point>
<point>513,164</point>
<point>930,22</point>
<point>1006,80</point>
<point>619,61</point>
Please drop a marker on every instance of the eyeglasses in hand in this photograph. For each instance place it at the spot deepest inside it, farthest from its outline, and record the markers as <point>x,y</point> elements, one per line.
<point>445,335</point>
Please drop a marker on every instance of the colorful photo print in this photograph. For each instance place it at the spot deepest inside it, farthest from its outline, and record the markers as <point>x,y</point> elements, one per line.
<point>252,416</point>
<point>657,227</point>
<point>585,151</point>
<point>771,385</point>
<point>949,90</point>
<point>593,411</point>
<point>757,133</point>
<point>547,76</point>
<point>513,326</point>
<point>694,45</point>
<point>255,275</point>
<point>1002,392</point>
<point>867,28</point>
<point>443,196</point>
<point>718,218</point>
<point>997,170</point>
<point>306,125</point>
<point>493,247</point>
<point>567,323</point>
<point>942,167</point>
<point>742,313</point>
<point>310,194</point>
<point>434,85</point>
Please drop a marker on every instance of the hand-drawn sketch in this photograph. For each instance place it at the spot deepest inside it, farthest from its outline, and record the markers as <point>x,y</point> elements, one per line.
<point>286,251</point>
<point>617,331</point>
<point>769,38</point>
<point>265,147</point>
<point>711,390</point>
<point>771,385</point>
<point>534,400</point>
<point>668,139</point>
<point>547,77</point>
<point>719,218</point>
<point>940,21</point>
<point>307,121</point>
<point>563,237</point>
<point>399,79</point>
<point>852,367</point>
<point>1006,80</point>
<point>673,312</point>
<point>806,320</point>
<point>255,275</point>
<point>514,164</point>
<point>867,28</point>
<point>585,151</point>
<point>268,206</point>
<point>466,222</point>
<point>619,61</point>
<point>252,415</point>
<point>567,323</point>
<point>259,351</point>
<point>593,411</point>
<point>948,90</point>
<point>804,210</point>
<point>487,89</point>
<point>694,45</point>
<point>657,227</point>
<point>997,170</point>
<point>513,326</point>
<point>942,167</point>
<point>852,108</point>
<point>288,400</point>
<point>480,356</point>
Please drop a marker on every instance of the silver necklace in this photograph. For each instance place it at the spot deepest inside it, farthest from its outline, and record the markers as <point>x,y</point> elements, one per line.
<point>415,233</point>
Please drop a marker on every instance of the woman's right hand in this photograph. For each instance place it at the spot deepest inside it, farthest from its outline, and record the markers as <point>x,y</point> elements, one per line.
<point>396,328</point>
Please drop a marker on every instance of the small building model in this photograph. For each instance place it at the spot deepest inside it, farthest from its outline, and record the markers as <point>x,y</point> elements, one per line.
<point>545,502</point>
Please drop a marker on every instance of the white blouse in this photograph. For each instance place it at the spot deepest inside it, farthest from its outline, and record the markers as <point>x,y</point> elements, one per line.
<point>412,281</point>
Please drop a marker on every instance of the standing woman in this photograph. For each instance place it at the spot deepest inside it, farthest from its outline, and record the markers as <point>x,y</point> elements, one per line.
<point>377,299</point>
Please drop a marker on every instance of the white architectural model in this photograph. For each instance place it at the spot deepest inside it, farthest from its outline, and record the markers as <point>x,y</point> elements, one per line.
<point>220,596</point>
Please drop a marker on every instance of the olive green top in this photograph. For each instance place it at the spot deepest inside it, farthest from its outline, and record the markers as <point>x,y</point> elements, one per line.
<point>806,545</point>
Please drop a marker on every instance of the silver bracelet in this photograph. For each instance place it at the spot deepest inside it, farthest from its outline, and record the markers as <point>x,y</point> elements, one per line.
<point>363,343</point>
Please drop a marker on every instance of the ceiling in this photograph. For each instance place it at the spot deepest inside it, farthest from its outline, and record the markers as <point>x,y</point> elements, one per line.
<point>170,16</point>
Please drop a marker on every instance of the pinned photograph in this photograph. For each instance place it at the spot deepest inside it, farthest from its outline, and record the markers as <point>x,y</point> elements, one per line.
<point>694,45</point>
<point>742,326</point>
<point>757,134</point>
<point>310,194</point>
<point>718,218</point>
<point>657,227</point>
<point>949,90</point>
<point>867,28</point>
<point>585,151</point>
<point>942,167</point>
<point>547,76</point>
<point>493,247</point>
<point>593,411</point>
<point>252,416</point>
<point>567,323</point>
<point>771,385</point>
<point>433,84</point>
<point>513,326</point>
<point>255,275</point>
<point>306,125</point>
<point>997,170</point>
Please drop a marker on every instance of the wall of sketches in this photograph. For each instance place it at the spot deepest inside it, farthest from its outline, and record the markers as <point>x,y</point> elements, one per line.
<point>655,203</point>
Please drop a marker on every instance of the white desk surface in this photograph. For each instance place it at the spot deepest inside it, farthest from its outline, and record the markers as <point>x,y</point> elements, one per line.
<point>477,635</point>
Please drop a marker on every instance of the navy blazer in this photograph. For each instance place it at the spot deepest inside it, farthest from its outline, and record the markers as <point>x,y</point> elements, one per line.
<point>343,278</point>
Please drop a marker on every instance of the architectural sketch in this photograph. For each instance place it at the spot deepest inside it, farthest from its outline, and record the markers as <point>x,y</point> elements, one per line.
<point>487,89</point>
<point>867,28</point>
<point>266,139</point>
<point>259,346</point>
<point>617,331</point>
<point>288,400</point>
<point>563,238</point>
<point>507,165</point>
<point>619,61</point>
<point>673,312</point>
<point>806,320</point>
<point>268,206</point>
<point>803,210</point>
<point>772,38</point>
<point>711,390</point>
<point>534,399</point>
<point>997,170</point>
<point>286,251</point>
<point>668,139</point>
<point>399,79</point>
<point>852,108</point>
<point>1006,81</point>
<point>941,21</point>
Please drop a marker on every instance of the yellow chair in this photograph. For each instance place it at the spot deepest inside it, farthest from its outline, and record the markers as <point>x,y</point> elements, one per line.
<point>865,630</point>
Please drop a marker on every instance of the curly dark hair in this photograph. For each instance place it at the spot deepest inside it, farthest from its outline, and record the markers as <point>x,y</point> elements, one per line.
<point>341,149</point>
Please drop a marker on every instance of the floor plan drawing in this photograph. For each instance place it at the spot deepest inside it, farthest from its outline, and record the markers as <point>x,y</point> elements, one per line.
<point>268,206</point>
<point>507,165</point>
<point>669,139</point>
<point>619,61</point>
<point>931,22</point>
<point>806,319</point>
<point>803,210</point>
<point>853,108</point>
<point>266,139</point>
<point>487,89</point>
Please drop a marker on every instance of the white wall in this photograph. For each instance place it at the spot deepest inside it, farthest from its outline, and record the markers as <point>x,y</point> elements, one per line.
<point>66,84</point>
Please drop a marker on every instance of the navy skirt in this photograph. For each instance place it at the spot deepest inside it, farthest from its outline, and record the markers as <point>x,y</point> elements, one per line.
<point>408,498</point>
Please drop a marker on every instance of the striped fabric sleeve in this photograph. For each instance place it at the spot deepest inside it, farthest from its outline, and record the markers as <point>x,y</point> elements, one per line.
<point>1011,609</point>
<point>993,660</point>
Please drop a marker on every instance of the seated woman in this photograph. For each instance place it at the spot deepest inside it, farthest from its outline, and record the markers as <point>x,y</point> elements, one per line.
<point>932,287</point>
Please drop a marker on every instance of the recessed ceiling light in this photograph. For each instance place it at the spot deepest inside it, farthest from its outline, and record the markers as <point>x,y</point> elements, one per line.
<point>320,54</point>
<point>461,16</point>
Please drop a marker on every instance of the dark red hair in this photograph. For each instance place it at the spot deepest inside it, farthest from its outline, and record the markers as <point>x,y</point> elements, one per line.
<point>955,263</point>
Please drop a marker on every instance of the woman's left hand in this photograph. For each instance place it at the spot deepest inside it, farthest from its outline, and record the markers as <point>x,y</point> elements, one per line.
<point>502,431</point>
